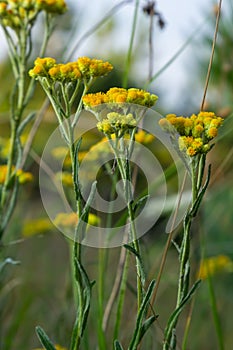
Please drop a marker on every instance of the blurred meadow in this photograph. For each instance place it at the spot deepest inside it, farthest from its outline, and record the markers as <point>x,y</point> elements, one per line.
<point>36,289</point>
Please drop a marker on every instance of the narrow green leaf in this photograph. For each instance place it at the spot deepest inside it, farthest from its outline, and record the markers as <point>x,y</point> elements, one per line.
<point>146,325</point>
<point>141,314</point>
<point>25,122</point>
<point>139,261</point>
<point>132,250</point>
<point>174,316</point>
<point>87,286</point>
<point>139,203</point>
<point>44,339</point>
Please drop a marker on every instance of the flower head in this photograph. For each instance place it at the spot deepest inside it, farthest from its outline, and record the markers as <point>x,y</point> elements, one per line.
<point>120,95</point>
<point>195,132</point>
<point>83,68</point>
<point>92,67</point>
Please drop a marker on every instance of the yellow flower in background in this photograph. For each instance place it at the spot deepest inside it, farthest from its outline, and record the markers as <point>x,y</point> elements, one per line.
<point>36,227</point>
<point>66,178</point>
<point>23,177</point>
<point>195,131</point>
<point>213,265</point>
<point>51,6</point>
<point>92,100</point>
<point>143,137</point>
<point>120,95</point>
<point>57,347</point>
<point>18,14</point>
<point>69,220</point>
<point>62,153</point>
<point>5,145</point>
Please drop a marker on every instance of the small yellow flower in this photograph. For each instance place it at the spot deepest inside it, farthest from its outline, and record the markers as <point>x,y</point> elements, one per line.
<point>24,177</point>
<point>92,100</point>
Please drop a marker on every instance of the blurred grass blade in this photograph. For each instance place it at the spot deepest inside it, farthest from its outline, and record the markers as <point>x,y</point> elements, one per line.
<point>44,339</point>
<point>177,54</point>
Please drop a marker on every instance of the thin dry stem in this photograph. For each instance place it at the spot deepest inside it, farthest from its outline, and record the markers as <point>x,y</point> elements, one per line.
<point>211,56</point>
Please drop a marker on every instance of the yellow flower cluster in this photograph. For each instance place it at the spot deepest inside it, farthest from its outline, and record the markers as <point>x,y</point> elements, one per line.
<point>120,95</point>
<point>83,68</point>
<point>15,14</point>
<point>71,219</point>
<point>116,122</point>
<point>23,177</point>
<point>215,264</point>
<point>195,131</point>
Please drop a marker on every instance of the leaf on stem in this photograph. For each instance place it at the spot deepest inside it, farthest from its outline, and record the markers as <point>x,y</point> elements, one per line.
<point>174,316</point>
<point>117,345</point>
<point>44,339</point>
<point>142,327</point>
<point>140,203</point>
<point>139,260</point>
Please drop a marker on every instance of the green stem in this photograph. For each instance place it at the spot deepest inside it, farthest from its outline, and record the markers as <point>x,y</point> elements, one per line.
<point>197,170</point>
<point>77,113</point>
